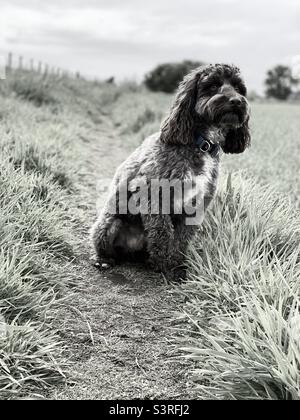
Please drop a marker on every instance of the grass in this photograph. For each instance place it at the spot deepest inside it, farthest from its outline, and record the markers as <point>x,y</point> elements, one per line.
<point>243,296</point>
<point>35,250</point>
<point>32,238</point>
<point>243,288</point>
<point>241,313</point>
<point>40,125</point>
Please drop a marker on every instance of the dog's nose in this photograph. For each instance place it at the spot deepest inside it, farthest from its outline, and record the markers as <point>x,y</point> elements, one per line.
<point>235,101</point>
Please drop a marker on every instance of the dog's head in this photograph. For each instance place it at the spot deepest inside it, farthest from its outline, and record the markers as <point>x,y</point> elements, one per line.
<point>211,96</point>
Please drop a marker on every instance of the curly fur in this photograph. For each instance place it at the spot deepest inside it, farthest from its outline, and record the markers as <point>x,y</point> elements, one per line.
<point>211,102</point>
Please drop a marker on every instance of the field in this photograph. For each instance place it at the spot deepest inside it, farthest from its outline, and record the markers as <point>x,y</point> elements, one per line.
<point>66,331</point>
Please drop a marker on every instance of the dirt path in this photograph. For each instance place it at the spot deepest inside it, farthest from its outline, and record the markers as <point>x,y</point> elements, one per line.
<point>118,324</point>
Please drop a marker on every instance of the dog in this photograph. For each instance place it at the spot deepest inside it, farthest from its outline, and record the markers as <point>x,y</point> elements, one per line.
<point>210,114</point>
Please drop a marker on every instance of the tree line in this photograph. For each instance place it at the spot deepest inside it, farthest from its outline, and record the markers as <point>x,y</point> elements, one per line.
<point>279,82</point>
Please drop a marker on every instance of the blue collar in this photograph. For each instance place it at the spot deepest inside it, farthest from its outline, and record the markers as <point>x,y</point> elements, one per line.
<point>207,146</point>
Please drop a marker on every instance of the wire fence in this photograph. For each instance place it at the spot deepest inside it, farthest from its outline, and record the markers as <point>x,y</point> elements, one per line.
<point>10,62</point>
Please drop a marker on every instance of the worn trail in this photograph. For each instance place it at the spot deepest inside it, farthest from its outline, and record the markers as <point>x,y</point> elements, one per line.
<point>119,323</point>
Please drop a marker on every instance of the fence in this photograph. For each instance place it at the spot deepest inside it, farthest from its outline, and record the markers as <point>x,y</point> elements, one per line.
<point>10,62</point>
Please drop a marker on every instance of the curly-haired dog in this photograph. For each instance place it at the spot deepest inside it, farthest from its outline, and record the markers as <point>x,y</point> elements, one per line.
<point>210,113</point>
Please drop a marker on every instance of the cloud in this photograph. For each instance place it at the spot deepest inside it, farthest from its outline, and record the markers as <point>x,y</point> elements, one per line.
<point>126,38</point>
<point>25,25</point>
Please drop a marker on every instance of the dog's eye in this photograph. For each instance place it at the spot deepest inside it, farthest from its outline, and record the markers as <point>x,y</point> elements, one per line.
<point>240,89</point>
<point>214,88</point>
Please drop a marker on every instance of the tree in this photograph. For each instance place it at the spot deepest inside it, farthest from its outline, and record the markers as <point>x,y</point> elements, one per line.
<point>280,82</point>
<point>166,77</point>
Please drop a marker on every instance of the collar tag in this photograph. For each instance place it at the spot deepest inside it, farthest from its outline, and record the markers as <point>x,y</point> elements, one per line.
<point>206,146</point>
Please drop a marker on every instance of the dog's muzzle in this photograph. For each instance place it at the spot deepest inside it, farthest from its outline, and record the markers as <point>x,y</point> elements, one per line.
<point>234,113</point>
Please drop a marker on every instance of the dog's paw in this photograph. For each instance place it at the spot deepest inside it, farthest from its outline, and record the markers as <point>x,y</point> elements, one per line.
<point>103,264</point>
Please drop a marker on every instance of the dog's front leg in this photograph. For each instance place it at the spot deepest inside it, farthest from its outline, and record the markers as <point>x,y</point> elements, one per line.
<point>103,234</point>
<point>183,237</point>
<point>159,230</point>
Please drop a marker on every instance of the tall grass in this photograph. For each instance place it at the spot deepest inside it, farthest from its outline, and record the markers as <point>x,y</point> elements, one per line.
<point>243,296</point>
<point>274,157</point>
<point>35,251</point>
<point>37,246</point>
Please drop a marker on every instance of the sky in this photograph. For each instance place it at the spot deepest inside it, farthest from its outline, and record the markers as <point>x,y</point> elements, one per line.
<point>127,38</point>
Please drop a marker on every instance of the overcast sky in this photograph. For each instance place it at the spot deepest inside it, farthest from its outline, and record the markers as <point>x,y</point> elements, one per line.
<point>126,38</point>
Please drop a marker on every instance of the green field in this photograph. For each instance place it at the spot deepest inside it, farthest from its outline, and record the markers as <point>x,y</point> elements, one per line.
<point>237,320</point>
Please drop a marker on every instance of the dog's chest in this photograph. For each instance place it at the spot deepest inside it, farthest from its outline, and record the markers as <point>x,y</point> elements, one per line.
<point>206,173</point>
<point>203,177</point>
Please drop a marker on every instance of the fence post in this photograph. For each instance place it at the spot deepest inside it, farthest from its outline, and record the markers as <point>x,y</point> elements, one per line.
<point>20,62</point>
<point>9,62</point>
<point>40,67</point>
<point>31,64</point>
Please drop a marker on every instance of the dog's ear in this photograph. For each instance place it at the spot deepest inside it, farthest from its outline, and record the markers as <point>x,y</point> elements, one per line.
<point>178,127</point>
<point>237,140</point>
